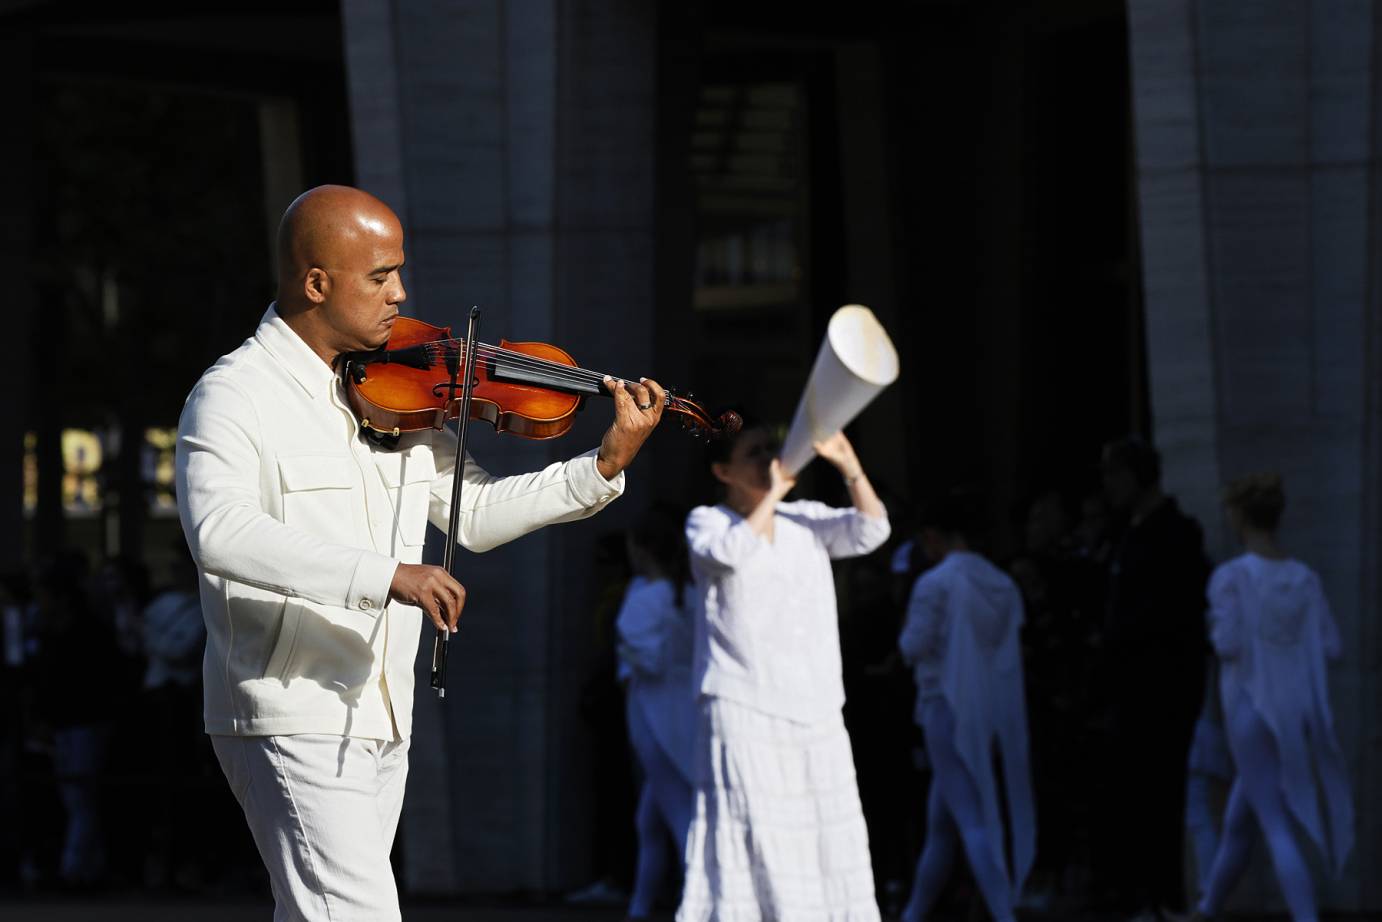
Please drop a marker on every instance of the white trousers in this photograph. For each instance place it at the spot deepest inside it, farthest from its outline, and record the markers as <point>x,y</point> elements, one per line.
<point>323,811</point>
<point>665,805</point>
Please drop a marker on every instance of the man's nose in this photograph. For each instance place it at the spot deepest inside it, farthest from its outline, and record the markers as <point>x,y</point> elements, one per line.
<point>399,294</point>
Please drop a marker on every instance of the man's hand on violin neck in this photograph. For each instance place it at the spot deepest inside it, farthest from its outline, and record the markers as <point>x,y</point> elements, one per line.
<point>432,589</point>
<point>637,411</point>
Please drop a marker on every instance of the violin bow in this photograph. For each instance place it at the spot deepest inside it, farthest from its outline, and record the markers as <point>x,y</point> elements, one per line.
<point>466,373</point>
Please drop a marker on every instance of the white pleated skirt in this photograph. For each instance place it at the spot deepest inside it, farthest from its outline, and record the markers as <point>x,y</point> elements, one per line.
<point>778,833</point>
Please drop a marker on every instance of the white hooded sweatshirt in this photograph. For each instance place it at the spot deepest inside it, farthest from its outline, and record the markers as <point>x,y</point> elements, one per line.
<point>961,636</point>
<point>1271,626</point>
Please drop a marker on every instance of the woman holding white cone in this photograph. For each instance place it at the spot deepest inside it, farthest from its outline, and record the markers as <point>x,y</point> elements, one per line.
<point>778,832</point>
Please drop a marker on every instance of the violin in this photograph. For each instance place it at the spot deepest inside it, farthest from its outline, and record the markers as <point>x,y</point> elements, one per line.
<point>530,389</point>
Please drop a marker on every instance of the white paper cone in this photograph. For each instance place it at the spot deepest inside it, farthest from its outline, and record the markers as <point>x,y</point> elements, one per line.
<point>856,361</point>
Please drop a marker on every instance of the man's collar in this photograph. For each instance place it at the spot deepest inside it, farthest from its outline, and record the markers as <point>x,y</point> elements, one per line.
<point>285,345</point>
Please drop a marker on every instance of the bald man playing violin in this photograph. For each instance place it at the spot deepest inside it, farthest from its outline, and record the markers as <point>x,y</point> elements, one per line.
<point>308,540</point>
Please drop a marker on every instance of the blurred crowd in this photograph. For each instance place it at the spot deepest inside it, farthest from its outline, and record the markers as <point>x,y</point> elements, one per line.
<point>1130,766</point>
<point>108,779</point>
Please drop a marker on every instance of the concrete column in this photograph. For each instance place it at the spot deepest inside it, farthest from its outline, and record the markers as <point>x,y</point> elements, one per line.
<point>1175,261</point>
<point>516,139</point>
<point>1255,171</point>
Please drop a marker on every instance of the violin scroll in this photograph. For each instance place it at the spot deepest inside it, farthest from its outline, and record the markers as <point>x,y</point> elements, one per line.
<point>698,422</point>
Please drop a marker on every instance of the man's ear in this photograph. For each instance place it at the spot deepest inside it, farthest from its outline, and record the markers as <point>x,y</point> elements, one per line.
<point>720,470</point>
<point>317,285</point>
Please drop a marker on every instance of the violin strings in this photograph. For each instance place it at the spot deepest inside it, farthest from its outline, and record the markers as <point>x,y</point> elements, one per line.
<point>549,370</point>
<point>533,363</point>
<point>515,359</point>
<point>555,371</point>
<point>522,361</point>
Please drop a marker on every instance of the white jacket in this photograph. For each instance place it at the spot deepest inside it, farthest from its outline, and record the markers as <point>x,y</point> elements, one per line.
<point>297,525</point>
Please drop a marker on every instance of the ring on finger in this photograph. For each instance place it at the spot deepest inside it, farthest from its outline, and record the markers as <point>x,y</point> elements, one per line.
<point>645,406</point>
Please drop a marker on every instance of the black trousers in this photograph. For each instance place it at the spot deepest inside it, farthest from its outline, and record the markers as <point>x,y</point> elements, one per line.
<point>1144,836</point>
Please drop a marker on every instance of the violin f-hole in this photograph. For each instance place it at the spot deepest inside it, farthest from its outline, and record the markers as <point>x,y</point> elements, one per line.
<point>449,390</point>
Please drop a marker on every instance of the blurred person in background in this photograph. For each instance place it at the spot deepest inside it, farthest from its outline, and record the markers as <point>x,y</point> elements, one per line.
<point>15,847</point>
<point>174,639</point>
<point>1154,668</point>
<point>122,585</point>
<point>119,591</point>
<point>1208,775</point>
<point>1091,535</point>
<point>1273,634</point>
<point>614,799</point>
<point>1063,597</point>
<point>655,646</point>
<point>878,709</point>
<point>778,831</point>
<point>37,827</point>
<point>961,637</point>
<point>75,668</point>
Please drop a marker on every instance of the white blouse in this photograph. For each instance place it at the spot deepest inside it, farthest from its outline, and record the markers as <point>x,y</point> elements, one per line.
<point>767,631</point>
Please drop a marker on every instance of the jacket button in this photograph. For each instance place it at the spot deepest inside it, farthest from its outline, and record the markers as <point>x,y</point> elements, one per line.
<point>366,604</point>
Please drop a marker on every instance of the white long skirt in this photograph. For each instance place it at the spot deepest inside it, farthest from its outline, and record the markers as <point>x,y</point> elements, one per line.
<point>778,833</point>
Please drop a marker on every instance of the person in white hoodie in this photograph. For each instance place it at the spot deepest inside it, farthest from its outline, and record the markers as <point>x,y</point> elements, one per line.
<point>961,637</point>
<point>778,832</point>
<point>655,638</point>
<point>1273,632</point>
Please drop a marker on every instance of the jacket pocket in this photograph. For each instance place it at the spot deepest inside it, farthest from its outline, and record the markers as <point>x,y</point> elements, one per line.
<point>317,491</point>
<point>409,480</point>
<point>281,659</point>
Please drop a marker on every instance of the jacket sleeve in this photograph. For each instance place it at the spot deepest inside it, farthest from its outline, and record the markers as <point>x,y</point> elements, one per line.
<point>923,632</point>
<point>1225,615</point>
<point>229,533</point>
<point>717,544</point>
<point>496,510</point>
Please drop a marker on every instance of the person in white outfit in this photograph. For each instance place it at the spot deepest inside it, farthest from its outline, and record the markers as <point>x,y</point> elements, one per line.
<point>961,637</point>
<point>1273,632</point>
<point>655,636</point>
<point>1207,776</point>
<point>174,639</point>
<point>778,831</point>
<point>308,541</point>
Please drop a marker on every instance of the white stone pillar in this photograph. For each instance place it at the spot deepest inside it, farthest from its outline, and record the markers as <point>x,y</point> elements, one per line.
<point>515,139</point>
<point>1255,171</point>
